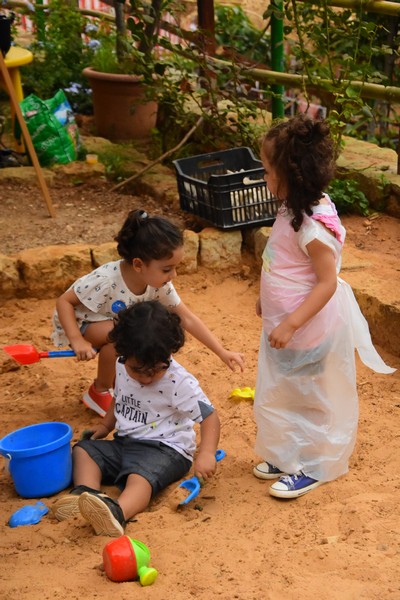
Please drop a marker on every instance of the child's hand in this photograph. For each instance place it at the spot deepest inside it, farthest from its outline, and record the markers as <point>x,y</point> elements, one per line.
<point>98,432</point>
<point>232,359</point>
<point>281,335</point>
<point>86,434</point>
<point>204,465</point>
<point>83,349</point>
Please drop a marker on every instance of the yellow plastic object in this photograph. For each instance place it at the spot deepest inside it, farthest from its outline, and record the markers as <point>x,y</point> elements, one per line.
<point>92,159</point>
<point>147,576</point>
<point>244,393</point>
<point>15,58</point>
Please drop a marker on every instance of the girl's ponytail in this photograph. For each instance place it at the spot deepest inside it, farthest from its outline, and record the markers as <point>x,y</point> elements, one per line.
<point>148,238</point>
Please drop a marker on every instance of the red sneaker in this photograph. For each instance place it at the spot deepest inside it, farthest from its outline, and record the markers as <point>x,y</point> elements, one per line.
<point>97,401</point>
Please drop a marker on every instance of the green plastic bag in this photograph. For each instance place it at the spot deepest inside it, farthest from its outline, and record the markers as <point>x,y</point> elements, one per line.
<point>52,127</point>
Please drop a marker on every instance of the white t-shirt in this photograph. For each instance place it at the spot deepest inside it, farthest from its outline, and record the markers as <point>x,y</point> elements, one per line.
<point>100,290</point>
<point>163,411</point>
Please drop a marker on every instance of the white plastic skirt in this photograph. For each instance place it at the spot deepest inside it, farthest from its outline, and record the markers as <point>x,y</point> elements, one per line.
<point>306,404</point>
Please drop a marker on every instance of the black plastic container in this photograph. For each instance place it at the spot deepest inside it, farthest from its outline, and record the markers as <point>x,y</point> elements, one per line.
<point>5,32</point>
<point>226,188</point>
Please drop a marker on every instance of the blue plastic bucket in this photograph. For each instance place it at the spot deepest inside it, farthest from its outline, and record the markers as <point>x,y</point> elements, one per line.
<point>40,458</point>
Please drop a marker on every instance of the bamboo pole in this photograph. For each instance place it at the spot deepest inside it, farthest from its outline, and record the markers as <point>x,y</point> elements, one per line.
<point>382,7</point>
<point>367,90</point>
<point>277,62</point>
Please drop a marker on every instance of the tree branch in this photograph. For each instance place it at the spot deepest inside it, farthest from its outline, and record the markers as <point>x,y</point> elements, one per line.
<point>160,158</point>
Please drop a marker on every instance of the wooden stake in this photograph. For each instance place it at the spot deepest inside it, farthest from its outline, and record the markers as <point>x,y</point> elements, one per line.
<point>26,135</point>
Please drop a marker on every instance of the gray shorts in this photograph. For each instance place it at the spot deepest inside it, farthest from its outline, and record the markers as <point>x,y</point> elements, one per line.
<point>122,456</point>
<point>84,326</point>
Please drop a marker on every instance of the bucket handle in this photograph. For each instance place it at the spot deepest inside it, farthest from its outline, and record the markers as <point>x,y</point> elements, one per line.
<point>6,455</point>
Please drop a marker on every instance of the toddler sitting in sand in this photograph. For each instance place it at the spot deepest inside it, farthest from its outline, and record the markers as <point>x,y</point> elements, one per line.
<point>155,406</point>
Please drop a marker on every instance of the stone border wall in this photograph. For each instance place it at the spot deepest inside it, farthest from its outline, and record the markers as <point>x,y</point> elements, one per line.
<point>49,271</point>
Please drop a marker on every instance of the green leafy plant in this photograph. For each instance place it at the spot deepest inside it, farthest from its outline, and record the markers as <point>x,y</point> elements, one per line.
<point>339,46</point>
<point>332,44</point>
<point>229,117</point>
<point>104,40</point>
<point>117,162</point>
<point>134,49</point>
<point>61,56</point>
<point>347,196</point>
<point>234,31</point>
<point>384,190</point>
<point>181,80</point>
<point>224,97</point>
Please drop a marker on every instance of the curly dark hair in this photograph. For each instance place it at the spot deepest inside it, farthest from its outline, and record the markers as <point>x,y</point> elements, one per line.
<point>147,331</point>
<point>147,238</point>
<point>302,152</point>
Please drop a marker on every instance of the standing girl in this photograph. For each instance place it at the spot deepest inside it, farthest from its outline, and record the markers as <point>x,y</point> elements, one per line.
<point>306,405</point>
<point>151,248</point>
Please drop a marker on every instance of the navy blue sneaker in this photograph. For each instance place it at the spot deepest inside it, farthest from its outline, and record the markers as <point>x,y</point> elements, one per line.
<point>293,486</point>
<point>266,471</point>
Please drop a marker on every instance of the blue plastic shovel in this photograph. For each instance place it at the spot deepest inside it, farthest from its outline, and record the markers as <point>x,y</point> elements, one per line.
<point>193,484</point>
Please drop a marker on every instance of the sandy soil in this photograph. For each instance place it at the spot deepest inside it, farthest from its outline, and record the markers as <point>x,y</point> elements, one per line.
<point>340,542</point>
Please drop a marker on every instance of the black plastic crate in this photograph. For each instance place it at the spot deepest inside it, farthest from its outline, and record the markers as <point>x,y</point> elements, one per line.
<point>226,188</point>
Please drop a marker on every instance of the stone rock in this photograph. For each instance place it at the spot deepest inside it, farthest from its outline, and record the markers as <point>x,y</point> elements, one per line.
<point>108,252</point>
<point>260,239</point>
<point>375,169</point>
<point>104,253</point>
<point>158,183</point>
<point>52,269</point>
<point>191,246</point>
<point>393,200</point>
<point>9,277</point>
<point>80,170</point>
<point>26,174</point>
<point>95,144</point>
<point>220,250</point>
<point>383,320</point>
<point>248,235</point>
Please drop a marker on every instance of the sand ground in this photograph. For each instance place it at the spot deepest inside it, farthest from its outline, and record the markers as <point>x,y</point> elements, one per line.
<point>340,542</point>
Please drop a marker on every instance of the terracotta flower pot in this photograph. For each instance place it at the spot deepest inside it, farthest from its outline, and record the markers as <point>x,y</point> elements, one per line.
<point>121,111</point>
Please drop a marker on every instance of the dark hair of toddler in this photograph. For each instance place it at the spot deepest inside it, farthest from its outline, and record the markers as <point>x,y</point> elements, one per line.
<point>149,332</point>
<point>302,152</point>
<point>147,238</point>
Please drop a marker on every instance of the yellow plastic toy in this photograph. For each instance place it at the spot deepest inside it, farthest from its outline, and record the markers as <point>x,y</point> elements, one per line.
<point>244,393</point>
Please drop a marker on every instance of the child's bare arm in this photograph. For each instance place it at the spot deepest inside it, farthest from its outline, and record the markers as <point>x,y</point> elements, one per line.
<point>195,326</point>
<point>205,463</point>
<point>65,308</point>
<point>323,261</point>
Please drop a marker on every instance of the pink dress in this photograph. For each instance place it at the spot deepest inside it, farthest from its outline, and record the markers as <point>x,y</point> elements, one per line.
<point>306,404</point>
